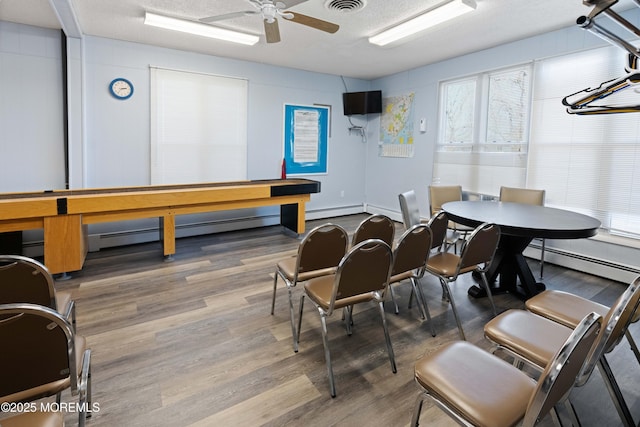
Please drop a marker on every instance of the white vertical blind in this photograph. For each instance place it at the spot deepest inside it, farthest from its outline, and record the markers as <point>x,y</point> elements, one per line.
<point>587,163</point>
<point>198,127</point>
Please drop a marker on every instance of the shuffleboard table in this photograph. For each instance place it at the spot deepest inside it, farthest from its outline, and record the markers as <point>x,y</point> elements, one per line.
<point>65,214</point>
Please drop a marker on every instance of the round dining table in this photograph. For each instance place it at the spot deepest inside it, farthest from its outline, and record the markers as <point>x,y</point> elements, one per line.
<point>519,224</point>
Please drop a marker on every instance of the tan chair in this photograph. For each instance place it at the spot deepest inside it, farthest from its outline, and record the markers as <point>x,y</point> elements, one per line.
<point>34,419</point>
<point>26,280</point>
<point>438,196</point>
<point>566,308</point>
<point>529,197</point>
<point>375,227</point>
<point>46,357</point>
<point>362,276</point>
<point>533,340</point>
<point>476,254</point>
<point>410,257</point>
<point>319,254</point>
<point>476,388</point>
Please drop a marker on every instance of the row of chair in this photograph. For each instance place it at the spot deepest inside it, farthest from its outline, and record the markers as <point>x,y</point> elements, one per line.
<point>44,355</point>
<point>561,336</point>
<point>338,273</point>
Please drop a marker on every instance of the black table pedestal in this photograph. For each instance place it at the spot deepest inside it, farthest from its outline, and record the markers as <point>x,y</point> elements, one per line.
<point>510,265</point>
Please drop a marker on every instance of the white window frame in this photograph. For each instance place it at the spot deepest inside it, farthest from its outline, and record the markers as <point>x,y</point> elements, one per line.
<point>479,165</point>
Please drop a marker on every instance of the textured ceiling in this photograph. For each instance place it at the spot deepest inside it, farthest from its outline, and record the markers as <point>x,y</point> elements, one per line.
<point>346,53</point>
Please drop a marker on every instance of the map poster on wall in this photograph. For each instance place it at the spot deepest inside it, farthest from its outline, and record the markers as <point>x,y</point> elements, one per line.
<point>396,126</point>
<point>305,139</point>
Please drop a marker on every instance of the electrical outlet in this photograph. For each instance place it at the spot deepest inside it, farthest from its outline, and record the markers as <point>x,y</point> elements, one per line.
<point>341,193</point>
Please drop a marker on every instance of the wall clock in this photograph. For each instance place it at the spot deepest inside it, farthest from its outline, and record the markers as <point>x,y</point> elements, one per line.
<point>121,88</point>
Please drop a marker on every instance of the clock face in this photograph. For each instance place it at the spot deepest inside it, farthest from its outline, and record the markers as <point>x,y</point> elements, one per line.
<point>121,88</point>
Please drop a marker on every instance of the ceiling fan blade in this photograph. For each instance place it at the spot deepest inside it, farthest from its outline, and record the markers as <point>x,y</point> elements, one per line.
<point>272,31</point>
<point>291,3</point>
<point>316,23</point>
<point>228,16</point>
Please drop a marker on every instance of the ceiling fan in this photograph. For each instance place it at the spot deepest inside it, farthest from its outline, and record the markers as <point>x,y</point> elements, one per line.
<point>270,12</point>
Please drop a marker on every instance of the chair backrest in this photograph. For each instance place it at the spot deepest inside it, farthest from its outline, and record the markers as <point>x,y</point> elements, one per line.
<point>26,280</point>
<point>323,247</point>
<point>522,195</point>
<point>375,227</point>
<point>438,224</point>
<point>38,345</point>
<point>441,194</point>
<point>412,250</point>
<point>480,247</point>
<point>560,374</point>
<point>366,268</point>
<point>616,322</point>
<point>409,208</point>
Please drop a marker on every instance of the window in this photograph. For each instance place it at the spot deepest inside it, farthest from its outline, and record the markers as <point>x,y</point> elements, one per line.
<point>198,127</point>
<point>483,136</point>
<point>587,163</point>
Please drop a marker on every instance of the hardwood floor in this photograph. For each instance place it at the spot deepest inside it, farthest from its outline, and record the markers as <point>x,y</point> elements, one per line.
<point>191,342</point>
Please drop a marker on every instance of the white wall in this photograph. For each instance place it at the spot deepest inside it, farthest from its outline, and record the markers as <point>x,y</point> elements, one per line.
<point>31,114</point>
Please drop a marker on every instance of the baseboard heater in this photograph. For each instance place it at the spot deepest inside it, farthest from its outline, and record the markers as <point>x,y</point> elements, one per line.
<point>596,266</point>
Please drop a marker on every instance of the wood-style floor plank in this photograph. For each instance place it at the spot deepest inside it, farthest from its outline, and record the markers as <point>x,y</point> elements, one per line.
<point>192,343</point>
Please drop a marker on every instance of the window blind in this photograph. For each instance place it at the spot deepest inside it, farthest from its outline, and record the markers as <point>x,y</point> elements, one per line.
<point>198,127</point>
<point>586,163</point>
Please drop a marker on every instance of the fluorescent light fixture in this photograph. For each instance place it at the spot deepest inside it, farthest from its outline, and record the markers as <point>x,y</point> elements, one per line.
<point>193,27</point>
<point>444,12</point>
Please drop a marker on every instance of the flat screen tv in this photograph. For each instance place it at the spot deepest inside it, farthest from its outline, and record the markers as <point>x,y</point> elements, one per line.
<point>362,102</point>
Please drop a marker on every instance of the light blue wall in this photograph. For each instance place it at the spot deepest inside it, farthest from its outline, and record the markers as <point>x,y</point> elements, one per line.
<point>114,146</point>
<point>110,138</point>
<point>117,134</point>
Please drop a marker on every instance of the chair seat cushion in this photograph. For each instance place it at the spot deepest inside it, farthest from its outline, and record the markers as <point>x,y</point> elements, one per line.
<point>445,263</point>
<point>563,307</point>
<point>288,268</point>
<point>401,276</point>
<point>535,338</point>
<point>38,418</point>
<point>319,290</point>
<point>481,387</point>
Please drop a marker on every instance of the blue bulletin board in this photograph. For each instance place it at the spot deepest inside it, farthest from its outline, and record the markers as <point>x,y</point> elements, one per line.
<point>305,139</point>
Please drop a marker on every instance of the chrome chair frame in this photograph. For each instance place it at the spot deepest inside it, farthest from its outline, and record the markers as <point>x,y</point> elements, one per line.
<point>375,227</point>
<point>315,257</point>
<point>18,270</point>
<point>553,386</point>
<point>470,259</point>
<point>615,325</point>
<point>410,256</point>
<point>79,382</point>
<point>347,287</point>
